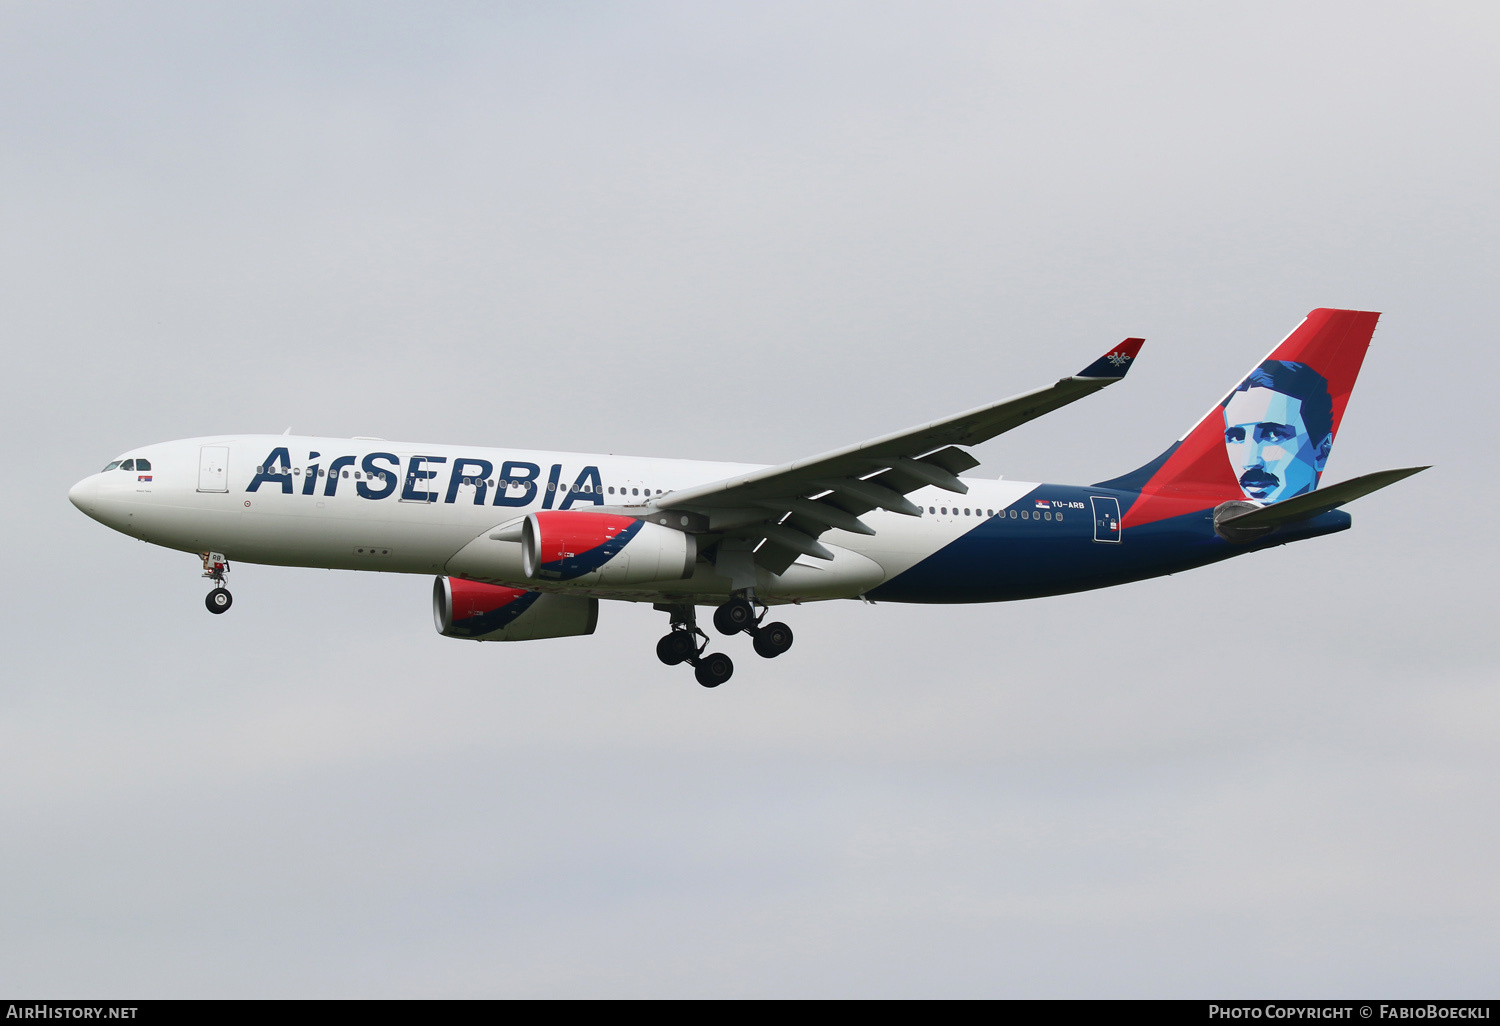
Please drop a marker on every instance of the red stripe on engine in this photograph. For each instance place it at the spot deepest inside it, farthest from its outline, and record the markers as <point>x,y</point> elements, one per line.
<point>471,598</point>
<point>565,534</point>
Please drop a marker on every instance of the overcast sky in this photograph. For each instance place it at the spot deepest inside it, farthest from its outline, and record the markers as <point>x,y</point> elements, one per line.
<point>746,232</point>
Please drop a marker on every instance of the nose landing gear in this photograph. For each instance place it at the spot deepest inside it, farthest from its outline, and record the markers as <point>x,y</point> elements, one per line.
<point>215,566</point>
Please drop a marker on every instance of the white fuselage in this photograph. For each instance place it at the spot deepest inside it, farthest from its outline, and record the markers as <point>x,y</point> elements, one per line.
<point>220,494</point>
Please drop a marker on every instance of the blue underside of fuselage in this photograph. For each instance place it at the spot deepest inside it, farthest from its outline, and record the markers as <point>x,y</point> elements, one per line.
<point>1003,559</point>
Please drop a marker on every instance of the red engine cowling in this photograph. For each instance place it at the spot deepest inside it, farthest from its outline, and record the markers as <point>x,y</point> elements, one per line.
<point>491,612</point>
<point>581,547</point>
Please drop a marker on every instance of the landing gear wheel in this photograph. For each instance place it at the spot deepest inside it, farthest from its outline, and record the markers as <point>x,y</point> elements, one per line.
<point>773,639</point>
<point>734,616</point>
<point>218,600</point>
<point>713,670</point>
<point>677,647</point>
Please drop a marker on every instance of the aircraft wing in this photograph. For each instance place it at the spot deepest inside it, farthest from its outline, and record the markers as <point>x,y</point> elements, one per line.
<point>791,505</point>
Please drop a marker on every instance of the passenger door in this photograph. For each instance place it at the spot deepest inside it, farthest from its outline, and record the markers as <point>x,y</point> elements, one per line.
<point>213,468</point>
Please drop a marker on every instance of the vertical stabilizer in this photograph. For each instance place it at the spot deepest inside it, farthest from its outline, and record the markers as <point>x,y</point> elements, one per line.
<point>1270,437</point>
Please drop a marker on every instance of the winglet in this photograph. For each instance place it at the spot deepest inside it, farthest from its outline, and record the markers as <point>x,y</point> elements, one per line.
<point>1114,363</point>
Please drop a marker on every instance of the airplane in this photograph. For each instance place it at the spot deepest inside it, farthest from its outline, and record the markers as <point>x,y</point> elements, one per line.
<point>524,544</point>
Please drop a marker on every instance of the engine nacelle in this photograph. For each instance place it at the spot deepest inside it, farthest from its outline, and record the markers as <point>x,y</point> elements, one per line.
<point>582,547</point>
<point>491,612</point>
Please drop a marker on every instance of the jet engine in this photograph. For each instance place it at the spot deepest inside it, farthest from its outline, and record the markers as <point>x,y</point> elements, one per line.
<point>491,612</point>
<point>582,547</point>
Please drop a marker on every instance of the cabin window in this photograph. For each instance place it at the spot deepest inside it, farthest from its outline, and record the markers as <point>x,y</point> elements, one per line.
<point>1025,515</point>
<point>1059,516</point>
<point>635,491</point>
<point>1013,514</point>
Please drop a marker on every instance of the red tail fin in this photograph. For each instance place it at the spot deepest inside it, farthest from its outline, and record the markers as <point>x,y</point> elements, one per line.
<point>1270,437</point>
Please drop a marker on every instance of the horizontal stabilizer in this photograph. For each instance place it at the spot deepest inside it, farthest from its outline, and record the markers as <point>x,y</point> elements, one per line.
<point>1233,524</point>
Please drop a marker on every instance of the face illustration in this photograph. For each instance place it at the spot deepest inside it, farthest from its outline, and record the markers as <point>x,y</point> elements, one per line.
<point>1268,445</point>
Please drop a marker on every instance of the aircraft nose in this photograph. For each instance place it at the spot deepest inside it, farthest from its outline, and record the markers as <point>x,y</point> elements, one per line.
<point>84,493</point>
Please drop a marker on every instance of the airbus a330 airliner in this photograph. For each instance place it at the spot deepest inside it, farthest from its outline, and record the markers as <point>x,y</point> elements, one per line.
<point>525,544</point>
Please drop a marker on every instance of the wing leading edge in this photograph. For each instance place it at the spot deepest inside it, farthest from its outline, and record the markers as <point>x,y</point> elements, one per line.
<point>780,512</point>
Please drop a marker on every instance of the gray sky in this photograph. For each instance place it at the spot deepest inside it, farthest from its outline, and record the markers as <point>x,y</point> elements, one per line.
<point>749,233</point>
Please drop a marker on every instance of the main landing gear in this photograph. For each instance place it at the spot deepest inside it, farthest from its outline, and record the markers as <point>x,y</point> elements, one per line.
<point>215,566</point>
<point>738,614</point>
<point>687,644</point>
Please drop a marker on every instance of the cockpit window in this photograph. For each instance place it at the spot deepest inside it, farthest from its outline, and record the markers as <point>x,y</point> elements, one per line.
<point>112,466</point>
<point>128,465</point>
<point>142,464</point>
